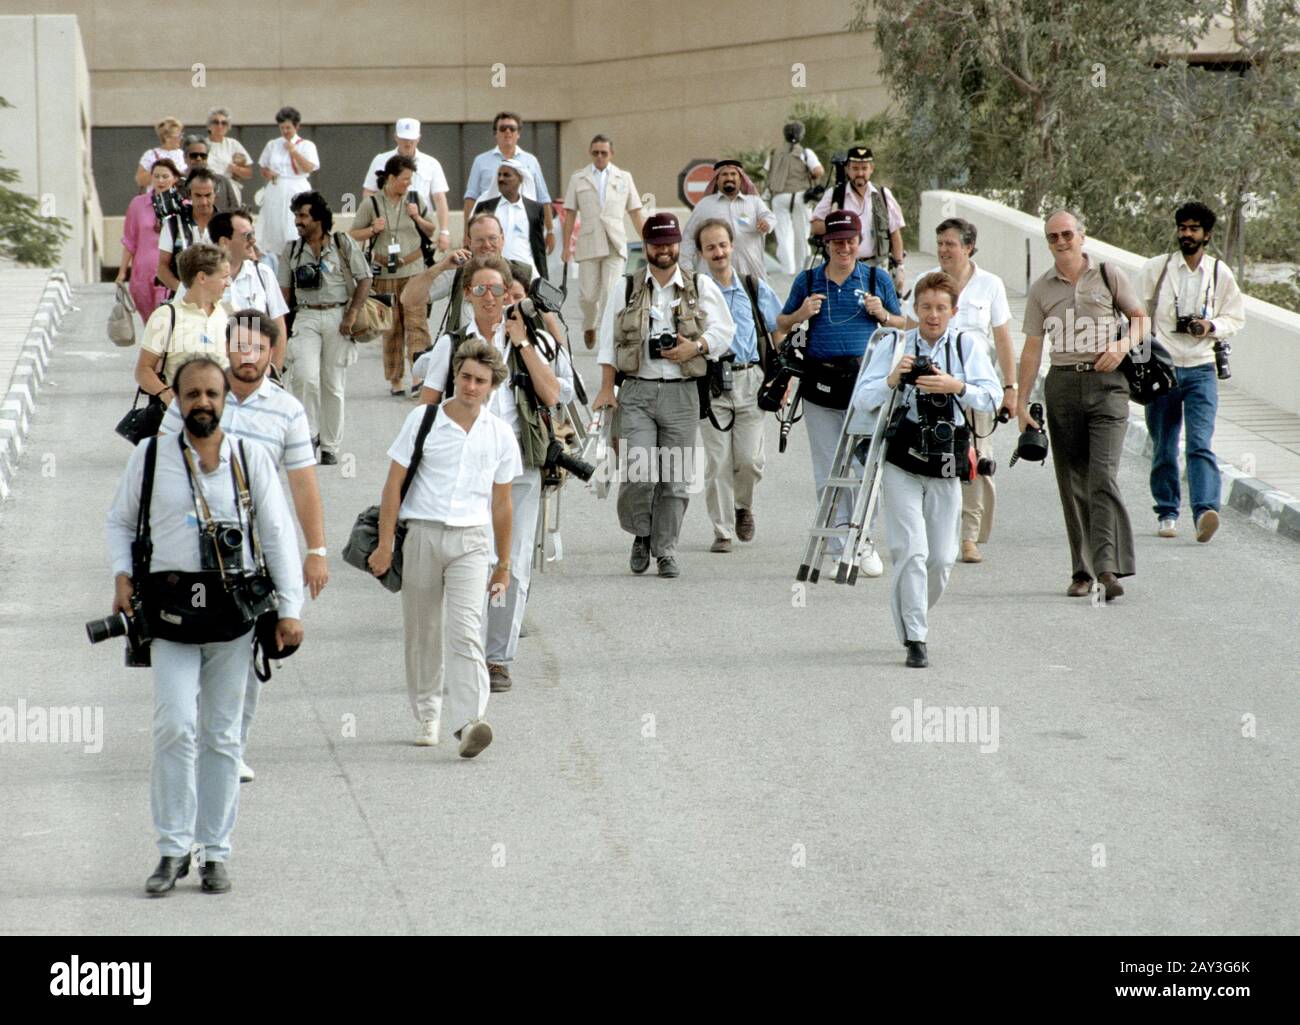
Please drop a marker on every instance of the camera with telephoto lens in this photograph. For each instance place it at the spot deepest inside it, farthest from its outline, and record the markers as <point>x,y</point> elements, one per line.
<point>559,457</point>
<point>660,344</point>
<point>1222,350</point>
<point>221,547</point>
<point>133,627</point>
<point>308,276</point>
<point>1032,445</point>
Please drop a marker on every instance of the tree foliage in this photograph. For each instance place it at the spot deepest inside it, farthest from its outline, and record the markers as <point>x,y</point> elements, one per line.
<point>26,235</point>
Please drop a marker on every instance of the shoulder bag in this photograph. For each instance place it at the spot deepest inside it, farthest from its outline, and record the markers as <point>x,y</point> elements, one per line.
<point>1149,368</point>
<point>145,421</point>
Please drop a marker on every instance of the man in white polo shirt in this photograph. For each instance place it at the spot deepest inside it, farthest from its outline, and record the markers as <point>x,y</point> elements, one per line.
<point>260,411</point>
<point>252,286</point>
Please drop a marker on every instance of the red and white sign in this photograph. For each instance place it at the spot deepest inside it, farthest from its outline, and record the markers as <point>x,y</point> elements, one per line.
<point>693,180</point>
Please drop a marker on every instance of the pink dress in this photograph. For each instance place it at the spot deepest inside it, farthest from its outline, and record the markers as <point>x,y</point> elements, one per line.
<point>140,238</point>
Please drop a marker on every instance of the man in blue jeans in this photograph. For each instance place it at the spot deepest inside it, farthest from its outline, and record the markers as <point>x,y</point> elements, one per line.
<point>1195,305</point>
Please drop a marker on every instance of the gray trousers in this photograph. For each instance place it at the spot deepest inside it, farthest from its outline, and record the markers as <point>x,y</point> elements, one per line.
<point>921,519</point>
<point>1087,418</point>
<point>824,429</point>
<point>733,460</point>
<point>657,421</point>
<point>503,620</point>
<point>198,703</point>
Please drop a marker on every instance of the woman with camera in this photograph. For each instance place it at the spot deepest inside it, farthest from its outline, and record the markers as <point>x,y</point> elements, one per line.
<point>981,307</point>
<point>394,226</point>
<point>533,384</point>
<point>458,499</point>
<point>140,230</point>
<point>944,374</point>
<point>285,163</point>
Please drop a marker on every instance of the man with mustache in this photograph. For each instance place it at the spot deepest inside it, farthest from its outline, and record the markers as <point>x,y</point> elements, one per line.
<point>191,484</point>
<point>731,197</point>
<point>880,214</point>
<point>257,410</point>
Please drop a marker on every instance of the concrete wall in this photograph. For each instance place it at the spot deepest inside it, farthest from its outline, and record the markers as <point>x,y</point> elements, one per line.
<point>46,136</point>
<point>1265,355</point>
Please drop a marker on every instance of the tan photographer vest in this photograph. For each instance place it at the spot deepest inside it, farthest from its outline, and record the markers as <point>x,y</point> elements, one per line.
<point>788,172</point>
<point>632,325</point>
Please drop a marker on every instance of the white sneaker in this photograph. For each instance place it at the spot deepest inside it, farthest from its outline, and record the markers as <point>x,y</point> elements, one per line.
<point>870,564</point>
<point>246,774</point>
<point>1168,528</point>
<point>476,735</point>
<point>428,733</point>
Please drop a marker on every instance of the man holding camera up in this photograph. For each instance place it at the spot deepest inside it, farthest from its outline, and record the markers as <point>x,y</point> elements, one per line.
<point>656,345</point>
<point>533,383</point>
<point>945,374</point>
<point>734,457</point>
<point>878,211</point>
<point>1087,400</point>
<point>843,302</point>
<point>1195,304</point>
<point>241,559</point>
<point>325,280</point>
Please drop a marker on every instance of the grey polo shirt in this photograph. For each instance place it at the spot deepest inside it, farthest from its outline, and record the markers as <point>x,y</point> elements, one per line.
<point>1078,319</point>
<point>334,287</point>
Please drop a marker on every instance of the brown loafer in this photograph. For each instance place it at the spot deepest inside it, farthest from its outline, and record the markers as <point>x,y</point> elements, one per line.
<point>1079,588</point>
<point>1112,585</point>
<point>970,552</point>
<point>1206,524</point>
<point>589,338</point>
<point>745,524</point>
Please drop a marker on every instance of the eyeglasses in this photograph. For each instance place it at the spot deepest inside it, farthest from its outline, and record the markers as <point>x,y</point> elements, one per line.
<point>248,236</point>
<point>218,121</point>
<point>481,290</point>
<point>1059,236</point>
<point>507,128</point>
<point>196,156</point>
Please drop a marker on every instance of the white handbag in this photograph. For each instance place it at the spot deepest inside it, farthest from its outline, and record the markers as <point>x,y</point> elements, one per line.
<point>121,319</point>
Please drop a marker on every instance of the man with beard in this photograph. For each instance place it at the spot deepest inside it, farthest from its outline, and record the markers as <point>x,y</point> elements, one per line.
<point>200,651</point>
<point>1194,303</point>
<point>655,345</point>
<point>880,214</point>
<point>257,410</point>
<point>731,197</point>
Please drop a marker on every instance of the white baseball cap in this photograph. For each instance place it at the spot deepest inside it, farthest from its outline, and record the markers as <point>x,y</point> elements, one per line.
<point>408,128</point>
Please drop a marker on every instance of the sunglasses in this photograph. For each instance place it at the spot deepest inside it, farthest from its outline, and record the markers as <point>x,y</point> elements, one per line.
<point>481,290</point>
<point>196,156</point>
<point>1059,236</point>
<point>248,236</point>
<point>218,121</point>
<point>507,128</point>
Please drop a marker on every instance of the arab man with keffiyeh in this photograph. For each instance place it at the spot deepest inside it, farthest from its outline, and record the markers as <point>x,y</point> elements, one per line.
<point>732,198</point>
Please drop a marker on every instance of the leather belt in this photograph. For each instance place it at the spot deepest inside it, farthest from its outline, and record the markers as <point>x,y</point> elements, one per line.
<point>667,380</point>
<point>1079,368</point>
<point>320,306</point>
<point>745,366</point>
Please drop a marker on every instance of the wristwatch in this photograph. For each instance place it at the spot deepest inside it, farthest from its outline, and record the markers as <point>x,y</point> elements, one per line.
<point>322,552</point>
<point>699,346</point>
<point>1011,387</point>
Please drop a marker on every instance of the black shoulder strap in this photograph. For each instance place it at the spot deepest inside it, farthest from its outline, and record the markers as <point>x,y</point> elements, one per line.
<point>760,325</point>
<point>171,331</point>
<point>142,530</point>
<point>1105,280</point>
<point>374,239</point>
<point>457,338</point>
<point>629,281</point>
<point>430,412</point>
<point>1155,296</point>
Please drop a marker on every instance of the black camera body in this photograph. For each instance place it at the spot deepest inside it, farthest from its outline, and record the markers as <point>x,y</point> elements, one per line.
<point>660,344</point>
<point>558,457</point>
<point>922,366</point>
<point>1187,325</point>
<point>986,466</point>
<point>308,276</point>
<point>1032,445</point>
<point>221,547</point>
<point>1222,350</point>
<point>133,627</point>
<point>169,204</point>
<point>938,425</point>
<point>252,595</point>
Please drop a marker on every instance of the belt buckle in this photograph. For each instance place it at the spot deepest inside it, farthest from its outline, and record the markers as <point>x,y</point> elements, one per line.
<point>1082,368</point>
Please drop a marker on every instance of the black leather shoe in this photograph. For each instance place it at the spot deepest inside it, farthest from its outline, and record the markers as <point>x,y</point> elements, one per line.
<point>916,658</point>
<point>328,459</point>
<point>214,878</point>
<point>164,877</point>
<point>640,561</point>
<point>668,567</point>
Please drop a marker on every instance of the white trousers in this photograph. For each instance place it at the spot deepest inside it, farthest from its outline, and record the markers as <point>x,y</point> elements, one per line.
<point>444,576</point>
<point>503,619</point>
<point>921,519</point>
<point>316,368</point>
<point>734,459</point>
<point>198,705</point>
<point>596,280</point>
<point>792,227</point>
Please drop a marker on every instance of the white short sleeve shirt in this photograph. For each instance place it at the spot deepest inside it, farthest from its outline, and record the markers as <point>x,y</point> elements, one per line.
<point>981,307</point>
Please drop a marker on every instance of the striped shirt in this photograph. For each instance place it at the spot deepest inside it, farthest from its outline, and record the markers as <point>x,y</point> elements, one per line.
<point>270,416</point>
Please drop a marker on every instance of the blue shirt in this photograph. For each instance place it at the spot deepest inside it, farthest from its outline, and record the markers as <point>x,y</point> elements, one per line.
<point>482,179</point>
<point>744,343</point>
<point>843,326</point>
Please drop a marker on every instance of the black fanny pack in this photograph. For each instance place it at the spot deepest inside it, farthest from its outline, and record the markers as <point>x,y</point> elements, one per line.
<point>904,446</point>
<point>829,382</point>
<point>205,608</point>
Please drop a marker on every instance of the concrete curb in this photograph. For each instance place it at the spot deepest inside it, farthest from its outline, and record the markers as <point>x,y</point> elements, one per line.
<point>19,401</point>
<point>1267,507</point>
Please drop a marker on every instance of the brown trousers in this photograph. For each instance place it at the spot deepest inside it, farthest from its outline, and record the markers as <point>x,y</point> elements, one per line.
<point>1087,418</point>
<point>409,335</point>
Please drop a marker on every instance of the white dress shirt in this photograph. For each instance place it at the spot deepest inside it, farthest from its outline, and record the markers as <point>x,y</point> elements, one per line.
<point>269,416</point>
<point>718,325</point>
<point>601,175</point>
<point>514,229</point>
<point>434,368</point>
<point>275,156</point>
<point>453,484</point>
<point>174,524</point>
<point>222,154</point>
<point>254,288</point>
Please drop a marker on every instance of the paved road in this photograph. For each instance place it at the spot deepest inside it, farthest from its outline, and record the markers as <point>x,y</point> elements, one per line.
<point>701,755</point>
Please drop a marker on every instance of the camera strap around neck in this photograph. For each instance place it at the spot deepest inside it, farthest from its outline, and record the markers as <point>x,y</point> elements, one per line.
<point>201,509</point>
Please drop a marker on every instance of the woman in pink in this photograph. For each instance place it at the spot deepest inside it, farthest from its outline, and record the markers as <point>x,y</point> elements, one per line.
<point>140,240</point>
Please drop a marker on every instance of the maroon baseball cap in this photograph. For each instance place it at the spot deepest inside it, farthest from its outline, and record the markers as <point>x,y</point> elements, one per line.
<point>842,224</point>
<point>661,230</point>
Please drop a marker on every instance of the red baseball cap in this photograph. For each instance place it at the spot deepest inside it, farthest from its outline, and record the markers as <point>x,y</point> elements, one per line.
<point>661,230</point>
<point>842,224</point>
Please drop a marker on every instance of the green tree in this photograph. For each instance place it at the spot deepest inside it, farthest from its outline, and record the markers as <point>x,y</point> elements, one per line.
<point>26,235</point>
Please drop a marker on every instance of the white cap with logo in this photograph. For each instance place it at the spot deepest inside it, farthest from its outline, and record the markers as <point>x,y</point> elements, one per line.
<point>408,128</point>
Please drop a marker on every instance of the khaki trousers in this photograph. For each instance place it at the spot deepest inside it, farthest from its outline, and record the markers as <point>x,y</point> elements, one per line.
<point>316,368</point>
<point>407,337</point>
<point>444,577</point>
<point>733,460</point>
<point>979,498</point>
<point>596,280</point>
